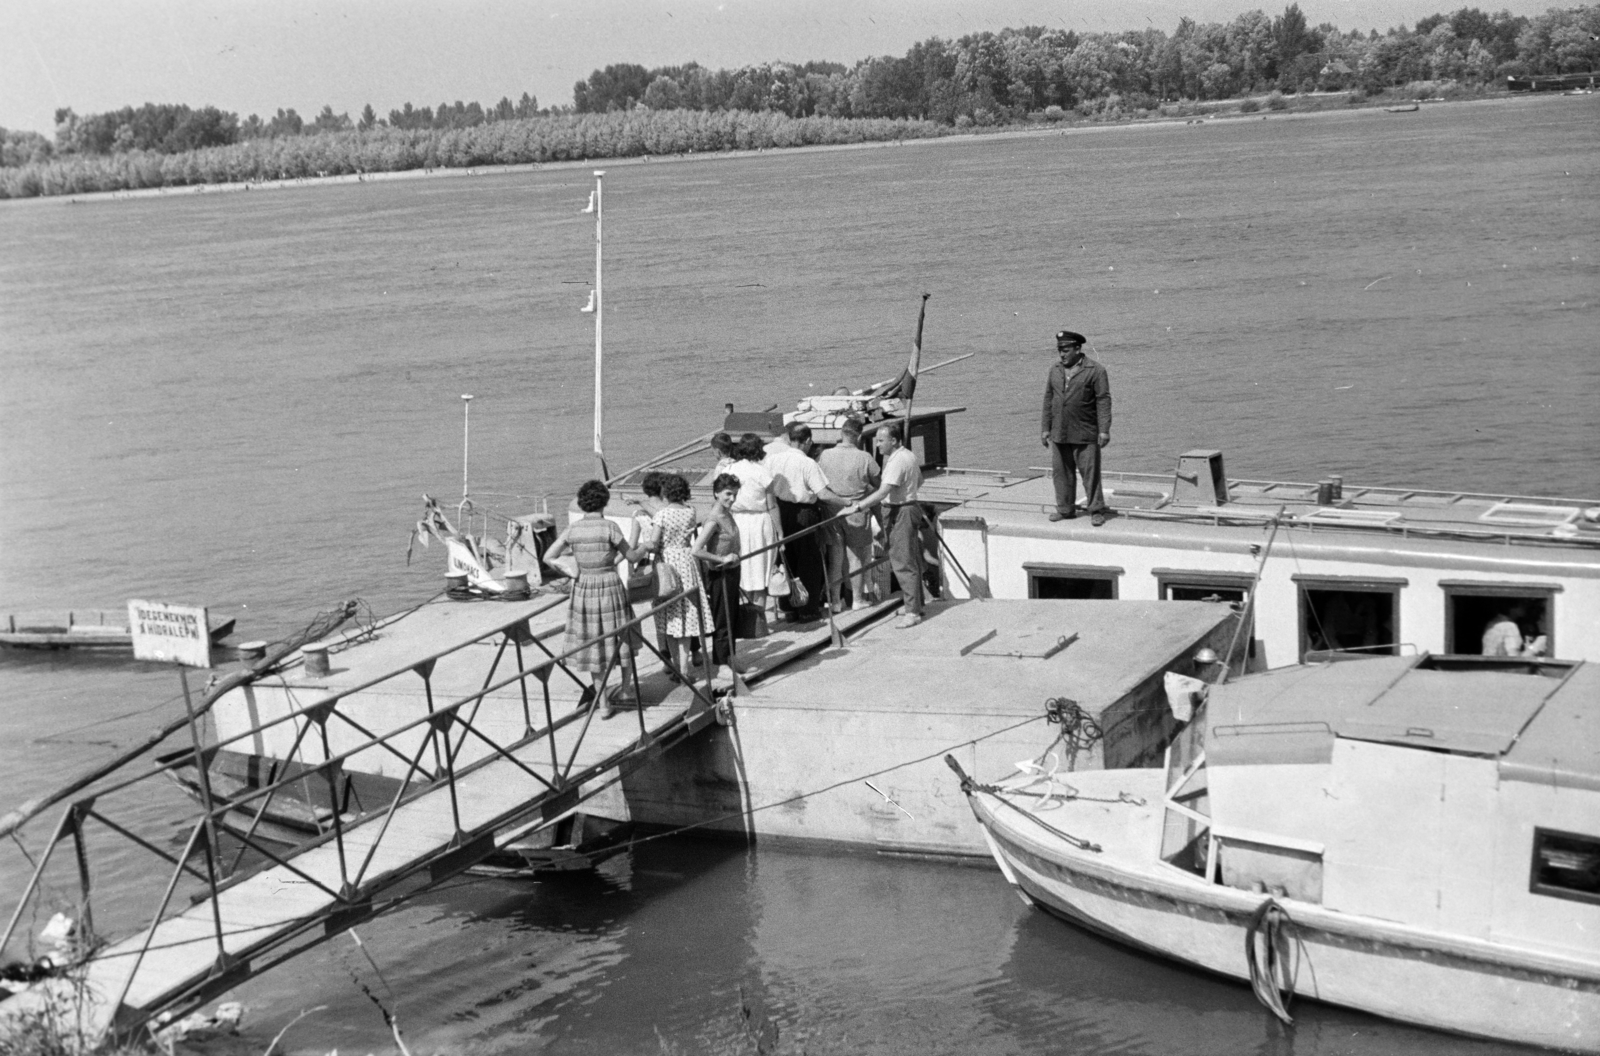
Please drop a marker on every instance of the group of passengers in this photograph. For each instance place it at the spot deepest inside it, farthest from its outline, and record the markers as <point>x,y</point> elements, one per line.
<point>763,491</point>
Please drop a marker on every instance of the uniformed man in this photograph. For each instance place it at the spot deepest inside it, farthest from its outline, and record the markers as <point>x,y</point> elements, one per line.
<point>1075,425</point>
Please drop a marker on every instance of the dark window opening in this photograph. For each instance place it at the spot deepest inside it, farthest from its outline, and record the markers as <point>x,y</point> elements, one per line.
<point>1339,623</point>
<point>1078,588</point>
<point>1185,592</point>
<point>1566,865</point>
<point>1481,623</point>
<point>1073,582</point>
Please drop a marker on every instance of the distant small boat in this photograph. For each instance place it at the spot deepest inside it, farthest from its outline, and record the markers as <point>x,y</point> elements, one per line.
<point>81,629</point>
<point>1404,108</point>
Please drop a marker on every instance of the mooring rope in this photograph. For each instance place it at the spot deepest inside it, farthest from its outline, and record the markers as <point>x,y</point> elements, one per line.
<point>1270,924</point>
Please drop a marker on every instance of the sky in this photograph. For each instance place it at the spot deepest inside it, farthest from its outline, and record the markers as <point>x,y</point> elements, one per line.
<point>255,56</point>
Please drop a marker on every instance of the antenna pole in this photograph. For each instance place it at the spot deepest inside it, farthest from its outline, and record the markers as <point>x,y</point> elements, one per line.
<point>466,438</point>
<point>599,317</point>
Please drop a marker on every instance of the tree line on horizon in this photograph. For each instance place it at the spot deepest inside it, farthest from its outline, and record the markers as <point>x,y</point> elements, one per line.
<point>938,86</point>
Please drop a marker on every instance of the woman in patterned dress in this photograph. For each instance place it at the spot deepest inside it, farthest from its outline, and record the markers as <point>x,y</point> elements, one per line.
<point>686,619</point>
<point>599,602</point>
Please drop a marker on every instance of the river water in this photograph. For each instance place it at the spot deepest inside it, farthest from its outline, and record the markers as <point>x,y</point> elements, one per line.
<point>238,399</point>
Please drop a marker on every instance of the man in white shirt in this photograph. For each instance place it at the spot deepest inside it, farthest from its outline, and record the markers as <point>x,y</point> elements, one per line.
<point>1503,636</point>
<point>902,477</point>
<point>797,483</point>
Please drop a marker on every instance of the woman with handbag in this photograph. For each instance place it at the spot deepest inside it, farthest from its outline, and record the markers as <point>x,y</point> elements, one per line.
<point>755,511</point>
<point>599,604</point>
<point>687,618</point>
<point>717,547</point>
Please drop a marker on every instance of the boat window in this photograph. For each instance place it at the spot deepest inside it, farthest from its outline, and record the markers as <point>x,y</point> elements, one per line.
<point>1348,619</point>
<point>1470,609</point>
<point>1566,865</point>
<point>1075,582</point>
<point>1230,587</point>
<point>928,443</point>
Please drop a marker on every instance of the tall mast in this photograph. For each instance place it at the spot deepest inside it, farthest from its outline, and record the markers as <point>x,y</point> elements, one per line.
<point>597,303</point>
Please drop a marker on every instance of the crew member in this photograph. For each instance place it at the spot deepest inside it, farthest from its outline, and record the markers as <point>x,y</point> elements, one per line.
<point>1075,425</point>
<point>902,477</point>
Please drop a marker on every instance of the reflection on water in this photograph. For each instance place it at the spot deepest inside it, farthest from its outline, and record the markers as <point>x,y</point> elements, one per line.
<point>843,953</point>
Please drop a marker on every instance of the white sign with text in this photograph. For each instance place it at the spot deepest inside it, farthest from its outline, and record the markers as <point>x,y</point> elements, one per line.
<point>173,634</point>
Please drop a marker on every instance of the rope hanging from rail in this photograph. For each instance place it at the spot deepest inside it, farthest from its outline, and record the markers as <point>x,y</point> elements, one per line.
<point>1266,940</point>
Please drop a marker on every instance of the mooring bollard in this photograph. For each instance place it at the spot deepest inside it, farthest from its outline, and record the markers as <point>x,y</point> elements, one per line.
<point>455,586</point>
<point>316,655</point>
<point>516,587</point>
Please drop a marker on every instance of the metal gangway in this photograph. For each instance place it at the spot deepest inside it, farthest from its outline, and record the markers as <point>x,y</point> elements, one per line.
<point>472,782</point>
<point>465,793</point>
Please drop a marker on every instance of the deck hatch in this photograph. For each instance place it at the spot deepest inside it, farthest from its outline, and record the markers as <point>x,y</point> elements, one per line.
<point>1020,643</point>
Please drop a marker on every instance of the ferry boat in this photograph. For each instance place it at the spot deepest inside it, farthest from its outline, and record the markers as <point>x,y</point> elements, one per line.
<point>1415,837</point>
<point>1326,569</point>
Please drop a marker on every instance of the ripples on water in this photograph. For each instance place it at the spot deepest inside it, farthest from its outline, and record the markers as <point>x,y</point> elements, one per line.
<point>238,399</point>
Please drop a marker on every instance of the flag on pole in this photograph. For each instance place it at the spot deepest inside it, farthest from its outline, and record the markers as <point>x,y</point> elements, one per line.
<point>905,386</point>
<point>590,207</point>
<point>590,306</point>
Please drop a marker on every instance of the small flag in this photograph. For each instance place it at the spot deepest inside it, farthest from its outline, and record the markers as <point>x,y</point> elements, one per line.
<point>590,306</point>
<point>590,207</point>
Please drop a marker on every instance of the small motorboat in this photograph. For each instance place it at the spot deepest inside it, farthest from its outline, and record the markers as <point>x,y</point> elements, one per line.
<point>1403,108</point>
<point>1415,837</point>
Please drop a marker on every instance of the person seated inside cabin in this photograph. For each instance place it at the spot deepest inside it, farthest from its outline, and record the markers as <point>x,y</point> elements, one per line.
<point>1504,636</point>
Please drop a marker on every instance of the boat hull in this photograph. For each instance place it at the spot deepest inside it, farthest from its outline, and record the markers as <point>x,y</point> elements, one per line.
<point>1367,964</point>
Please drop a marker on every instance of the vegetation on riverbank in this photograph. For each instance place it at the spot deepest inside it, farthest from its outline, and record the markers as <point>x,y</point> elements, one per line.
<point>1016,78</point>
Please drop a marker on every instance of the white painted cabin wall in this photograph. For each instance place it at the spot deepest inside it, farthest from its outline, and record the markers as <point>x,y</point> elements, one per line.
<point>1421,607</point>
<point>1519,915</point>
<point>1277,798</point>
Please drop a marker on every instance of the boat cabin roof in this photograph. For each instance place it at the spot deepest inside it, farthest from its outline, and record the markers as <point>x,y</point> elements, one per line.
<point>1536,718</point>
<point>1004,658</point>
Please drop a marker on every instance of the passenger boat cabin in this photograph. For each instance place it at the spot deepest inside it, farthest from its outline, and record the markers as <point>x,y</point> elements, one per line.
<point>1459,795</point>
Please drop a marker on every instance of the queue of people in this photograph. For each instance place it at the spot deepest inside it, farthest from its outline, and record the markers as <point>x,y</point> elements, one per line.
<point>762,491</point>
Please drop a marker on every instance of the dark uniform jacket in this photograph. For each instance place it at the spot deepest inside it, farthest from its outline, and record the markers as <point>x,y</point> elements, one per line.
<point>1078,410</point>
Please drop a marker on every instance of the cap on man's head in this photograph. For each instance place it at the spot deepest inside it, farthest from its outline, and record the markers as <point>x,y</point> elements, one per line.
<point>1069,339</point>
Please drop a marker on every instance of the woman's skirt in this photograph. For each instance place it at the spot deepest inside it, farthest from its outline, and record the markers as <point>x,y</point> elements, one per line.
<point>755,532</point>
<point>691,616</point>
<point>599,606</point>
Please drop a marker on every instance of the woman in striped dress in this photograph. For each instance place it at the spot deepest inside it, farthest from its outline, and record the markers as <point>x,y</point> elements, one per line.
<point>599,602</point>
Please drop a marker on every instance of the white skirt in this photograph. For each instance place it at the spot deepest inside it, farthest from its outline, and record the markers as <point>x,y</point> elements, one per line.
<point>755,532</point>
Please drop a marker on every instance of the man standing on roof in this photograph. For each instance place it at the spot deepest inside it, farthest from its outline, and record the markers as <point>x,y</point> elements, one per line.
<point>902,476</point>
<point>1075,425</point>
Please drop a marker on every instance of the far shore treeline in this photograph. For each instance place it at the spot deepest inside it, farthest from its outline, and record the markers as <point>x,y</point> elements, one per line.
<point>1008,79</point>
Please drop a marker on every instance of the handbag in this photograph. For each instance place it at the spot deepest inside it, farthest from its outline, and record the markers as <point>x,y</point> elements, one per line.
<point>749,621</point>
<point>778,583</point>
<point>667,581</point>
<point>799,596</point>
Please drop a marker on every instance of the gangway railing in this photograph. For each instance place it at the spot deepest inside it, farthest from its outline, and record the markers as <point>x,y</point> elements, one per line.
<point>356,866</point>
<point>350,868</point>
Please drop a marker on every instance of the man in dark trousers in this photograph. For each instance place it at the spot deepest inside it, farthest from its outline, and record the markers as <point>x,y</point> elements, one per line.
<point>1075,425</point>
